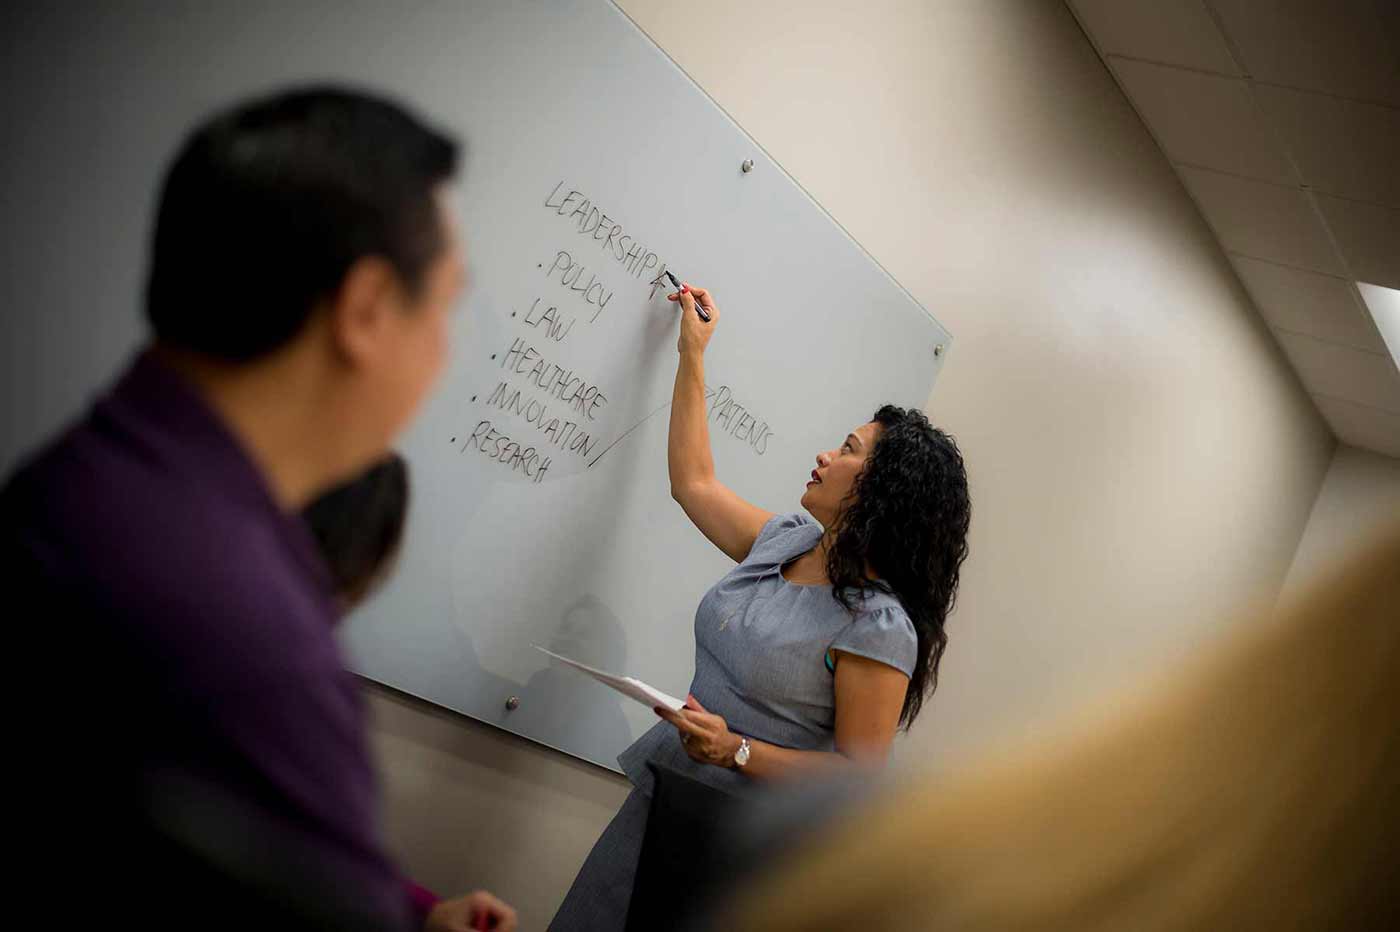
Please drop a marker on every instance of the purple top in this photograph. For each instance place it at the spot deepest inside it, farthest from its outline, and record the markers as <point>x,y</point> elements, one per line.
<point>200,727</point>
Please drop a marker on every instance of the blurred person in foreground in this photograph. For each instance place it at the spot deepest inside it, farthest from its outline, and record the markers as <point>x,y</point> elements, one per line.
<point>201,762</point>
<point>359,528</point>
<point>1255,789</point>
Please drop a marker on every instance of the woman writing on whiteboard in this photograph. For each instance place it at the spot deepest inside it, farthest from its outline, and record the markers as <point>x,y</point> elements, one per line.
<point>825,638</point>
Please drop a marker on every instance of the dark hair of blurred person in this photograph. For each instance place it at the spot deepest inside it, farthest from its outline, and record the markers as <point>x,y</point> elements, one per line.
<point>359,527</point>
<point>267,208</point>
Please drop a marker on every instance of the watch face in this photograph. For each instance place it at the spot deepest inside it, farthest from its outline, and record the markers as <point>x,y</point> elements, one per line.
<point>741,756</point>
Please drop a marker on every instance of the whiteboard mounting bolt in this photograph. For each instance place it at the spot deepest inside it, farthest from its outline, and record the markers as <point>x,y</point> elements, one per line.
<point>747,166</point>
<point>938,350</point>
<point>513,703</point>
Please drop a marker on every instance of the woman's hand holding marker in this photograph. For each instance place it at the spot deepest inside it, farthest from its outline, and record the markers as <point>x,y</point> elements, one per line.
<point>695,330</point>
<point>675,283</point>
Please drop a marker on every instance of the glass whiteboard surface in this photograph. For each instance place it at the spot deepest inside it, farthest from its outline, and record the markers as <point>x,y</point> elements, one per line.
<point>592,163</point>
<point>541,507</point>
<point>541,512</point>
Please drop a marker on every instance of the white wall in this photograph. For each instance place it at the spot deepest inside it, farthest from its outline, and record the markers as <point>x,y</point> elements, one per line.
<point>1143,462</point>
<point>1360,497</point>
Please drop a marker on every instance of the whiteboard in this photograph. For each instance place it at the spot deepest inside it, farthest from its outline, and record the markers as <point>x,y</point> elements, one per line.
<point>593,162</point>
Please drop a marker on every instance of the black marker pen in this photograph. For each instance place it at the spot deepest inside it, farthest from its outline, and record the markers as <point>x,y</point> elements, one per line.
<point>704,314</point>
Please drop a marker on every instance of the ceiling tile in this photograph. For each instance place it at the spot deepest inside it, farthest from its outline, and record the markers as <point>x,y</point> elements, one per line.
<point>1362,426</point>
<point>1343,47</point>
<point>1263,220</point>
<point>1306,302</point>
<point>1341,146</point>
<point>1180,32</point>
<point>1343,372</point>
<point>1369,237</point>
<point>1205,119</point>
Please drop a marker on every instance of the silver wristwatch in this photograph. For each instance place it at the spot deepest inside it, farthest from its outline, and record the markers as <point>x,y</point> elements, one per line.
<point>741,756</point>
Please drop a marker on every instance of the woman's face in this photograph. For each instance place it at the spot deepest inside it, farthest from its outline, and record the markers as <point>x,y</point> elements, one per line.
<point>836,472</point>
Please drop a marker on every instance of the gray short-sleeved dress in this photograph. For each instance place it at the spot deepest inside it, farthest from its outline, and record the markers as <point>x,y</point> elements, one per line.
<point>762,663</point>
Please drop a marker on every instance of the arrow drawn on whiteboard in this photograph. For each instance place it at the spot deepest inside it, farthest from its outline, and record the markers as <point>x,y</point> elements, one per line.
<point>628,431</point>
<point>655,283</point>
<point>709,393</point>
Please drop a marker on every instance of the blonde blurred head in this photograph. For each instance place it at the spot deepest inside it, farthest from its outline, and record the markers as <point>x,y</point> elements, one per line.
<point>1258,789</point>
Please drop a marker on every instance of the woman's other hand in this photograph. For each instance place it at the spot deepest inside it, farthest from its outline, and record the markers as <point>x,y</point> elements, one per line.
<point>705,736</point>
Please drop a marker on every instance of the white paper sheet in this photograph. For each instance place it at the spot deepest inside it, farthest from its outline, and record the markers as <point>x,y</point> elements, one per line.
<point>631,687</point>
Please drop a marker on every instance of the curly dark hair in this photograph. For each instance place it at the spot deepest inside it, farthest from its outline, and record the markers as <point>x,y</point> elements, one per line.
<point>906,519</point>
